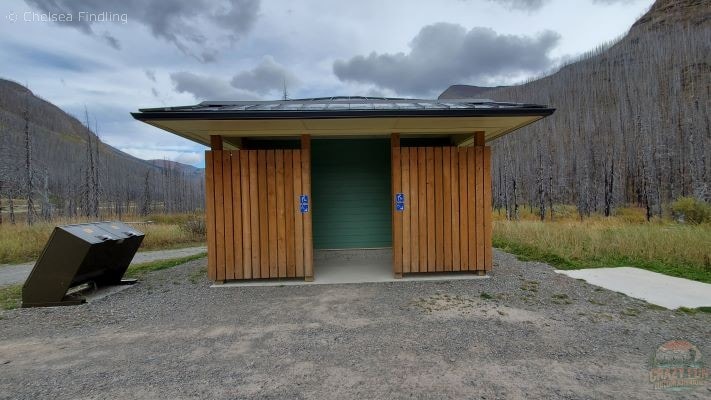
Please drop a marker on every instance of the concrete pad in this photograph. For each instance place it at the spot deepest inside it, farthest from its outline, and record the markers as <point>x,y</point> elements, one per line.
<point>104,292</point>
<point>353,266</point>
<point>663,290</point>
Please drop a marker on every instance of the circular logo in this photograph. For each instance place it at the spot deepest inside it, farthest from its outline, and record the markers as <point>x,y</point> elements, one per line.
<point>677,365</point>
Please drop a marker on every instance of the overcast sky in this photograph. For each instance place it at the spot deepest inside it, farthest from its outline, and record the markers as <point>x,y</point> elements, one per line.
<point>165,53</point>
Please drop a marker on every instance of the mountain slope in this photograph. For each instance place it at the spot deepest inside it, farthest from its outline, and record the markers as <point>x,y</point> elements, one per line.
<point>631,126</point>
<point>466,92</point>
<point>72,168</point>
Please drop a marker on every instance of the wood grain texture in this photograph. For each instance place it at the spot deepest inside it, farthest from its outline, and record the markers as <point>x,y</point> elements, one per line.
<point>254,214</point>
<point>463,211</point>
<point>238,272</point>
<point>447,207</point>
<point>479,206</point>
<point>245,209</point>
<point>405,189</point>
<point>219,217</point>
<point>289,212</point>
<point>280,213</point>
<point>298,218</point>
<point>396,181</point>
<point>422,206</point>
<point>488,223</point>
<point>210,216</point>
<point>272,215</point>
<point>229,224</point>
<point>263,214</point>
<point>431,213</point>
<point>414,213</point>
<point>454,184</point>
<point>439,210</point>
<point>308,222</point>
<point>471,191</point>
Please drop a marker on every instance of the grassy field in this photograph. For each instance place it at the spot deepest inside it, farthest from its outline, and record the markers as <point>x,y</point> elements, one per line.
<point>20,243</point>
<point>625,239</point>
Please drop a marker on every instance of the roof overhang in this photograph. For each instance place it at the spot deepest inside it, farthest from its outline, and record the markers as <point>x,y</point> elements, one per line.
<point>232,120</point>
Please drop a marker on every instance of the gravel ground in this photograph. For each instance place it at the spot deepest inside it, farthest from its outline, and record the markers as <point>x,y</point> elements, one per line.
<point>525,333</point>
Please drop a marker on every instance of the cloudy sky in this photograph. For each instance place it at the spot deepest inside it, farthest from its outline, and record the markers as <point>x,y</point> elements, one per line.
<point>117,56</point>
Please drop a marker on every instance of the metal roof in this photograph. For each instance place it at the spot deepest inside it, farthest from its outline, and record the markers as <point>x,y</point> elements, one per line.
<point>342,106</point>
<point>344,116</point>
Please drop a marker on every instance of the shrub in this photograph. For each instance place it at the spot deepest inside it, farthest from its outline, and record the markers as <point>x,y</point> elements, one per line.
<point>195,227</point>
<point>691,210</point>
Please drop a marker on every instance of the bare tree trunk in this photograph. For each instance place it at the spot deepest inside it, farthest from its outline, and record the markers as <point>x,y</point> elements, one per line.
<point>1,205</point>
<point>541,190</point>
<point>609,187</point>
<point>11,208</point>
<point>46,204</point>
<point>29,178</point>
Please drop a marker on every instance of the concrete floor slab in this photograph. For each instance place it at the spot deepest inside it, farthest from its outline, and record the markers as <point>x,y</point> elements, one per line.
<point>663,290</point>
<point>353,266</point>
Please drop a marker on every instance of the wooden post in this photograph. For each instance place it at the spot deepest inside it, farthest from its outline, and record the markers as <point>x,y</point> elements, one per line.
<point>396,181</point>
<point>479,138</point>
<point>308,230</point>
<point>215,142</point>
<point>210,216</point>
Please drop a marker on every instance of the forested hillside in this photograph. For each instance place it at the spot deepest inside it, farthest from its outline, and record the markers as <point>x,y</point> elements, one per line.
<point>51,161</point>
<point>632,124</point>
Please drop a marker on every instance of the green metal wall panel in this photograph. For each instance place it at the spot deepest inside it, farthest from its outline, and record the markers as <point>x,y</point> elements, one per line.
<point>351,193</point>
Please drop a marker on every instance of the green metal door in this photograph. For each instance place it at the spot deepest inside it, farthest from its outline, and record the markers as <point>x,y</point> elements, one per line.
<point>350,186</point>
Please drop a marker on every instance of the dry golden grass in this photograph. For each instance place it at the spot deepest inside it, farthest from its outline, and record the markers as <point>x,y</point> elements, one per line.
<point>624,239</point>
<point>21,243</point>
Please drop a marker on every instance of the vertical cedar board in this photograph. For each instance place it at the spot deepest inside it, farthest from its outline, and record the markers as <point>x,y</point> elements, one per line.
<point>422,206</point>
<point>463,211</point>
<point>298,218</point>
<point>471,201</point>
<point>245,205</point>
<point>439,211</point>
<point>289,211</point>
<point>405,189</point>
<point>237,214</point>
<point>254,213</point>
<point>308,227</point>
<point>219,217</point>
<point>229,224</point>
<point>456,260</point>
<point>431,210</point>
<point>263,214</point>
<point>396,181</point>
<point>414,213</point>
<point>488,225</point>
<point>479,193</point>
<point>210,216</point>
<point>272,214</point>
<point>447,206</point>
<point>281,214</point>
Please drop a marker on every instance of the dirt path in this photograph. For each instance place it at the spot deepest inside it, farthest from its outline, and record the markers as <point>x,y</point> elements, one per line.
<point>526,333</point>
<point>17,273</point>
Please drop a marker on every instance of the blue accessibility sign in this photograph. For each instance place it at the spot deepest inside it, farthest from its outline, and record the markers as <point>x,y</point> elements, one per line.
<point>399,197</point>
<point>399,206</point>
<point>304,199</point>
<point>304,208</point>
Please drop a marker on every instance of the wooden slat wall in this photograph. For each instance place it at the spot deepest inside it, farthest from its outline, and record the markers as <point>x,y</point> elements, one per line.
<point>446,224</point>
<point>255,227</point>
